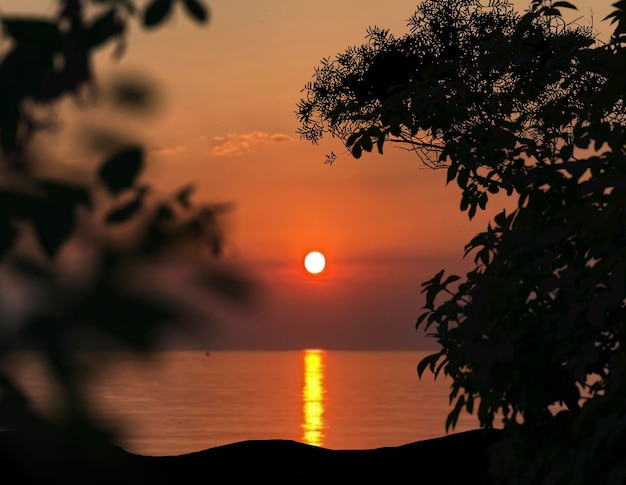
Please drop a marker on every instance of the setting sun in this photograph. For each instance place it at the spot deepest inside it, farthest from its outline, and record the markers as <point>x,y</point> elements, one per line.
<point>314,262</point>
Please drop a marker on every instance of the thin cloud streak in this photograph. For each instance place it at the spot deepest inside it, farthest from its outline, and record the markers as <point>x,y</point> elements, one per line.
<point>168,151</point>
<point>235,144</point>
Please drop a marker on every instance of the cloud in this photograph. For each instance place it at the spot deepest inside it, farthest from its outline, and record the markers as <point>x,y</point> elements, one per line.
<point>167,151</point>
<point>234,144</point>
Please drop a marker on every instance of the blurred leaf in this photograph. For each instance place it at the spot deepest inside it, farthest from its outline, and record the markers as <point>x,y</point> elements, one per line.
<point>157,12</point>
<point>197,10</point>
<point>31,268</point>
<point>218,208</point>
<point>133,92</point>
<point>7,235</point>
<point>71,194</point>
<point>226,283</point>
<point>9,120</point>
<point>156,239</point>
<point>54,224</point>
<point>24,71</point>
<point>120,48</point>
<point>19,204</point>
<point>183,194</point>
<point>103,140</point>
<point>133,319</point>
<point>26,31</point>
<point>104,28</point>
<point>163,213</point>
<point>125,211</point>
<point>120,171</point>
<point>14,403</point>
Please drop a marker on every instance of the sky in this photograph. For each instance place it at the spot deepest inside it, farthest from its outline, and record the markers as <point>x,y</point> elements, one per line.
<point>227,123</point>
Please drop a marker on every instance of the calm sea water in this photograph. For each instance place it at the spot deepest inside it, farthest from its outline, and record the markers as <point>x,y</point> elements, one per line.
<point>181,402</point>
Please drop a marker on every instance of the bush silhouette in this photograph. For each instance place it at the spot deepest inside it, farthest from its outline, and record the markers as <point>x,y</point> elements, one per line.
<point>533,106</point>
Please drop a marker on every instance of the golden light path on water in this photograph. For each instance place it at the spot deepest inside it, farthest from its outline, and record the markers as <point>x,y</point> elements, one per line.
<point>313,397</point>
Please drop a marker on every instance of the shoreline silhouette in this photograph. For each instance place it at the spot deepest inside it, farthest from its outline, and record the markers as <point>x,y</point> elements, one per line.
<point>258,461</point>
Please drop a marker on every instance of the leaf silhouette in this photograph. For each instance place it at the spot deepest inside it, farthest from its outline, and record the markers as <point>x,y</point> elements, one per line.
<point>26,31</point>
<point>24,206</point>
<point>120,171</point>
<point>564,5</point>
<point>53,225</point>
<point>133,93</point>
<point>7,236</point>
<point>163,213</point>
<point>104,28</point>
<point>197,10</point>
<point>134,319</point>
<point>156,12</point>
<point>124,212</point>
<point>66,192</point>
<point>227,284</point>
<point>32,268</point>
<point>182,196</point>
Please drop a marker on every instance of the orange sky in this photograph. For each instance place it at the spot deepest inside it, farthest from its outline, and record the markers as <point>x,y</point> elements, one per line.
<point>228,124</point>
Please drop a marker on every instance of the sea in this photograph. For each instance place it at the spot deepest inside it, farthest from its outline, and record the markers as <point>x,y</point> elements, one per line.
<point>178,402</point>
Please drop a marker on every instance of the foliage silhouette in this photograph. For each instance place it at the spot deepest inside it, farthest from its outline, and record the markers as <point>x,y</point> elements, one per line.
<point>534,334</point>
<point>45,61</point>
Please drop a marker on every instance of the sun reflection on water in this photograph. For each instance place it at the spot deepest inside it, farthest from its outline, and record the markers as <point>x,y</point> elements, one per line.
<point>313,398</point>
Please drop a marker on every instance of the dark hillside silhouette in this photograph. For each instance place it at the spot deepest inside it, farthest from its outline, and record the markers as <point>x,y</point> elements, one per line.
<point>272,461</point>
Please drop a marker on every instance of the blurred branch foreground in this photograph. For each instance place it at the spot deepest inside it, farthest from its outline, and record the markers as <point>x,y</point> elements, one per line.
<point>88,264</point>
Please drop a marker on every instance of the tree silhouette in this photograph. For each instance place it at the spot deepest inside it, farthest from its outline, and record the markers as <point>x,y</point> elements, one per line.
<point>534,334</point>
<point>46,60</point>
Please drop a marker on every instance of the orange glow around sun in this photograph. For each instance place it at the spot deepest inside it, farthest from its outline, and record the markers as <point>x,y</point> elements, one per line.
<point>314,262</point>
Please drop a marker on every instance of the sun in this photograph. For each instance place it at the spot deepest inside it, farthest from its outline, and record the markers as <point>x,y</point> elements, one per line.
<point>314,262</point>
